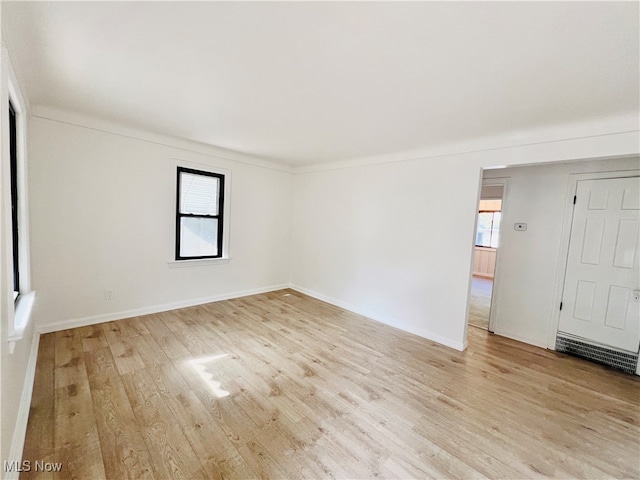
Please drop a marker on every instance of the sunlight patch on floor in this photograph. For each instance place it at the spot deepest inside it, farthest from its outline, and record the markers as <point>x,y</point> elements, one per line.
<point>201,365</point>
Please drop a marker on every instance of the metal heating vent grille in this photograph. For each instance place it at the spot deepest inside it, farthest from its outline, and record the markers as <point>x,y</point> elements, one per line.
<point>619,360</point>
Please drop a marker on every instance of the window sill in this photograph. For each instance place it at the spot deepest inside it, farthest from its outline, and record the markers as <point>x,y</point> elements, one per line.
<point>201,262</point>
<point>21,318</point>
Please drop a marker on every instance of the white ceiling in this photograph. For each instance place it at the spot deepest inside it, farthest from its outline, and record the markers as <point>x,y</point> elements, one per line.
<point>307,83</point>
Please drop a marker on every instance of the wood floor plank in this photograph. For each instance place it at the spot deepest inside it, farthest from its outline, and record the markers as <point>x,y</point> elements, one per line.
<point>280,385</point>
<point>164,337</point>
<point>75,422</point>
<point>279,443</point>
<point>41,473</point>
<point>134,327</point>
<point>80,462</point>
<point>122,348</point>
<point>215,451</point>
<point>150,352</point>
<point>124,453</point>
<point>171,455</point>
<point>69,365</point>
<point>92,337</point>
<point>74,419</point>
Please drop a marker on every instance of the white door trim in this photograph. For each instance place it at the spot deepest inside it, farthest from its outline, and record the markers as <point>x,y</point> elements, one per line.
<point>493,309</point>
<point>564,244</point>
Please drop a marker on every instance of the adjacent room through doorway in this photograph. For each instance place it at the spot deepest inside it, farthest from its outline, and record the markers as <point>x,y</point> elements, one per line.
<point>484,259</point>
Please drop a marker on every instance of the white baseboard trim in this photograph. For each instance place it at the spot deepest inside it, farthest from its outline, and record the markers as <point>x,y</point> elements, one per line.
<point>109,317</point>
<point>20,430</point>
<point>85,321</point>
<point>421,332</point>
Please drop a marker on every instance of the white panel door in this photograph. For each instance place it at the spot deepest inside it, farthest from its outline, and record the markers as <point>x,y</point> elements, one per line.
<point>600,298</point>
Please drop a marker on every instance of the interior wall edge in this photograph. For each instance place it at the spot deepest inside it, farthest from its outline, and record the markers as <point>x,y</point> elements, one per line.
<point>421,332</point>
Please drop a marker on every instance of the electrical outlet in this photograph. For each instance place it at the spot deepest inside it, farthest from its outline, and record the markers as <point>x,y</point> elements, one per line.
<point>109,295</point>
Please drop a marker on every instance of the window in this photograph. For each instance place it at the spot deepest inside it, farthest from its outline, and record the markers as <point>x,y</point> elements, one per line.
<point>488,231</point>
<point>13,154</point>
<point>199,214</point>
<point>15,209</point>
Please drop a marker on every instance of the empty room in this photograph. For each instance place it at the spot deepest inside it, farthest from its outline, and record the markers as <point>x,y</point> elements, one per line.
<point>320,240</point>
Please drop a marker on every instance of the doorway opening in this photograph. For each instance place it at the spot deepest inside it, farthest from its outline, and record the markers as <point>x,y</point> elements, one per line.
<point>487,242</point>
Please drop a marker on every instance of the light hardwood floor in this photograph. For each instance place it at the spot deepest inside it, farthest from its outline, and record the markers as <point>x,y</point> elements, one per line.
<point>280,385</point>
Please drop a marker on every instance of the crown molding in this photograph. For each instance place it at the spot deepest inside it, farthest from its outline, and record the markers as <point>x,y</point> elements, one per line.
<point>599,127</point>
<point>93,123</point>
<point>606,126</point>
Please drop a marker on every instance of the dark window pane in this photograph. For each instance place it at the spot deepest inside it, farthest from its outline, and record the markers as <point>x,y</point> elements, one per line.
<point>13,151</point>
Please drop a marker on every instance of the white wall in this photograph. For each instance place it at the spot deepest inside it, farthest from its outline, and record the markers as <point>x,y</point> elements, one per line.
<point>395,241</point>
<point>103,215</point>
<point>370,239</point>
<point>524,292</point>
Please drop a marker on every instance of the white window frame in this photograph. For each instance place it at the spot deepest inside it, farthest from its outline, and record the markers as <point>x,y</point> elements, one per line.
<point>20,315</point>
<point>175,163</point>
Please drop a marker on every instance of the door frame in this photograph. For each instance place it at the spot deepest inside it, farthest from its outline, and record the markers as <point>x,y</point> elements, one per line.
<point>493,308</point>
<point>565,240</point>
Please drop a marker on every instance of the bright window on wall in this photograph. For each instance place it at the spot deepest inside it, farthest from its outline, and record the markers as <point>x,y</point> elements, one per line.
<point>13,155</point>
<point>14,182</point>
<point>199,214</point>
<point>488,232</point>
